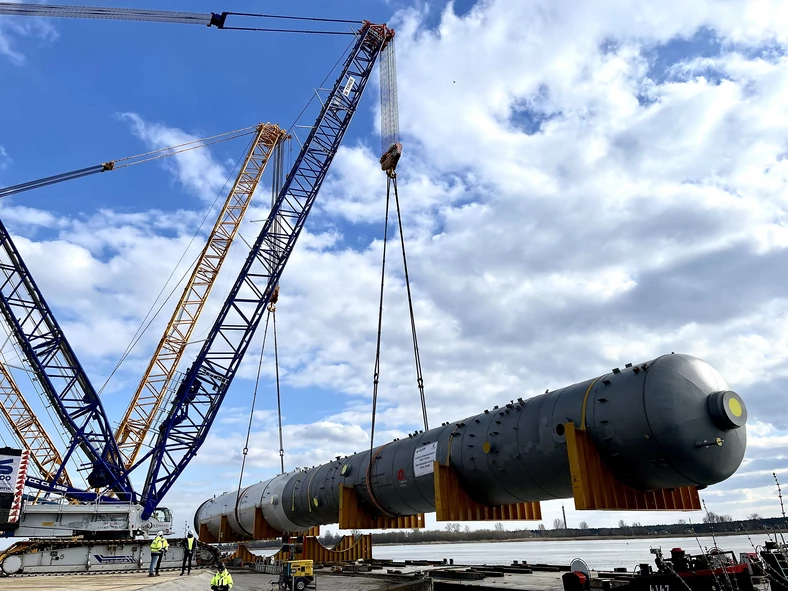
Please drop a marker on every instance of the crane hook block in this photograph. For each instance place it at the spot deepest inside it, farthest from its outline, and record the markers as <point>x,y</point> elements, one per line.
<point>389,160</point>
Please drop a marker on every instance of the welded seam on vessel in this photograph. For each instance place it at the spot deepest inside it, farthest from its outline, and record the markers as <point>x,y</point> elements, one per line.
<point>585,403</point>
<point>488,456</point>
<point>372,458</point>
<point>238,500</point>
<point>523,464</point>
<point>654,437</point>
<point>293,494</point>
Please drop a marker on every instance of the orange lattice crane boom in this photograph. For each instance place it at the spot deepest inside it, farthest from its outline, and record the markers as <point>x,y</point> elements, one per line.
<point>152,389</point>
<point>28,429</point>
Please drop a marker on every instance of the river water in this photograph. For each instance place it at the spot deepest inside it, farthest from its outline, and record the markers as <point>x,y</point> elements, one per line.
<point>598,554</point>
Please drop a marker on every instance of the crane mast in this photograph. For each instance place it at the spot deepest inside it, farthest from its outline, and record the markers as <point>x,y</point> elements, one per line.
<point>29,430</point>
<point>197,400</point>
<point>152,388</point>
<point>57,368</point>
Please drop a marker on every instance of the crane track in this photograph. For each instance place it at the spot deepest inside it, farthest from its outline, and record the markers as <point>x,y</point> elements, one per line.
<point>77,553</point>
<point>96,573</point>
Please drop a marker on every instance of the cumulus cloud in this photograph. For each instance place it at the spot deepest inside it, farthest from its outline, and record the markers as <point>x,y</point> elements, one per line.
<point>581,186</point>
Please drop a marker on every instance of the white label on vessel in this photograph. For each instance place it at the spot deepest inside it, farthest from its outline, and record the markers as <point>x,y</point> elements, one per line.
<point>349,86</point>
<point>423,458</point>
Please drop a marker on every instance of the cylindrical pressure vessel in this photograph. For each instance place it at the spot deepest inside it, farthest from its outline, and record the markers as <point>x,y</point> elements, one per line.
<point>666,423</point>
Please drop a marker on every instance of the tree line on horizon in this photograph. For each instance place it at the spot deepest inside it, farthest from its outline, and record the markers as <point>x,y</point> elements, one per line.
<point>453,532</point>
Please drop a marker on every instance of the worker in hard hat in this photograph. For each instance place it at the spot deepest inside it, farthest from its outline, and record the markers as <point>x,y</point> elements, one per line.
<point>188,552</point>
<point>158,547</point>
<point>222,580</point>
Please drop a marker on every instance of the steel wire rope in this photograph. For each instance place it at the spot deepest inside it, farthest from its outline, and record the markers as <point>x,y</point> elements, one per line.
<point>203,142</point>
<point>376,372</point>
<point>309,102</point>
<point>80,459</point>
<point>245,450</point>
<point>419,376</point>
<point>296,18</point>
<point>288,132</point>
<point>278,396</point>
<point>162,16</point>
<point>125,162</point>
<point>142,329</point>
<point>302,31</point>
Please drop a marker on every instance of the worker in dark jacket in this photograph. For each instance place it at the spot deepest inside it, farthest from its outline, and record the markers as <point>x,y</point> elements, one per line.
<point>222,580</point>
<point>188,552</point>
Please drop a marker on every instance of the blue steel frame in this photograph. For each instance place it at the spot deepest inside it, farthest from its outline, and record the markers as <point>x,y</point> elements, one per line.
<point>197,401</point>
<point>56,366</point>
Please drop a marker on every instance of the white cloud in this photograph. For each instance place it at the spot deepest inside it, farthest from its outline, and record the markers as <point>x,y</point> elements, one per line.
<point>195,169</point>
<point>18,30</point>
<point>567,208</point>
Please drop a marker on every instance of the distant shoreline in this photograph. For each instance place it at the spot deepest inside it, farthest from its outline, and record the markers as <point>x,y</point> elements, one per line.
<point>571,538</point>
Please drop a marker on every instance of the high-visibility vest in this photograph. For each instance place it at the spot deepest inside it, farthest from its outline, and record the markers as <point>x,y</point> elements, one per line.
<point>158,544</point>
<point>190,543</point>
<point>222,578</point>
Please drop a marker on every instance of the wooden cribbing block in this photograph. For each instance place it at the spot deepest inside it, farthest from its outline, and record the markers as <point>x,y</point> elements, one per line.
<point>244,554</point>
<point>262,529</point>
<point>205,536</point>
<point>349,549</point>
<point>452,503</point>
<point>351,516</point>
<point>226,534</point>
<point>595,488</point>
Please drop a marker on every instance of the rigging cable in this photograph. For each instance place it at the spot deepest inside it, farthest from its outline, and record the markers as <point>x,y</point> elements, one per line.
<point>419,377</point>
<point>272,309</point>
<point>276,188</point>
<point>148,319</point>
<point>296,18</point>
<point>212,19</point>
<point>254,401</point>
<point>127,161</point>
<point>376,374</point>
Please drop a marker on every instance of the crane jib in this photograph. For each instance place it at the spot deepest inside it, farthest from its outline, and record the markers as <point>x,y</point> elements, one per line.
<point>197,401</point>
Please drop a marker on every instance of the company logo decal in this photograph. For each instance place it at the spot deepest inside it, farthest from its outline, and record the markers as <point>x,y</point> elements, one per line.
<point>114,559</point>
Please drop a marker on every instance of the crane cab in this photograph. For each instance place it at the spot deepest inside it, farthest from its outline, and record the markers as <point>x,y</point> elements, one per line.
<point>160,520</point>
<point>297,575</point>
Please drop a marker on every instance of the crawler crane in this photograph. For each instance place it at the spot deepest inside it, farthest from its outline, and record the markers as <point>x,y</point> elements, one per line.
<point>112,522</point>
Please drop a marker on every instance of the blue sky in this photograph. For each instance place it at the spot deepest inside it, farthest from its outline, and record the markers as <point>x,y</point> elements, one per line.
<point>583,187</point>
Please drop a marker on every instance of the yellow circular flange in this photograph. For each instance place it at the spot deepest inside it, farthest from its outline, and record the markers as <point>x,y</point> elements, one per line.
<point>735,407</point>
<point>314,501</point>
<point>344,469</point>
<point>486,447</point>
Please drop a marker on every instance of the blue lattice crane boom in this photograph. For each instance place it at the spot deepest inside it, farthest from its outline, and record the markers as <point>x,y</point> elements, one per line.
<point>55,365</point>
<point>199,396</point>
<point>197,401</point>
